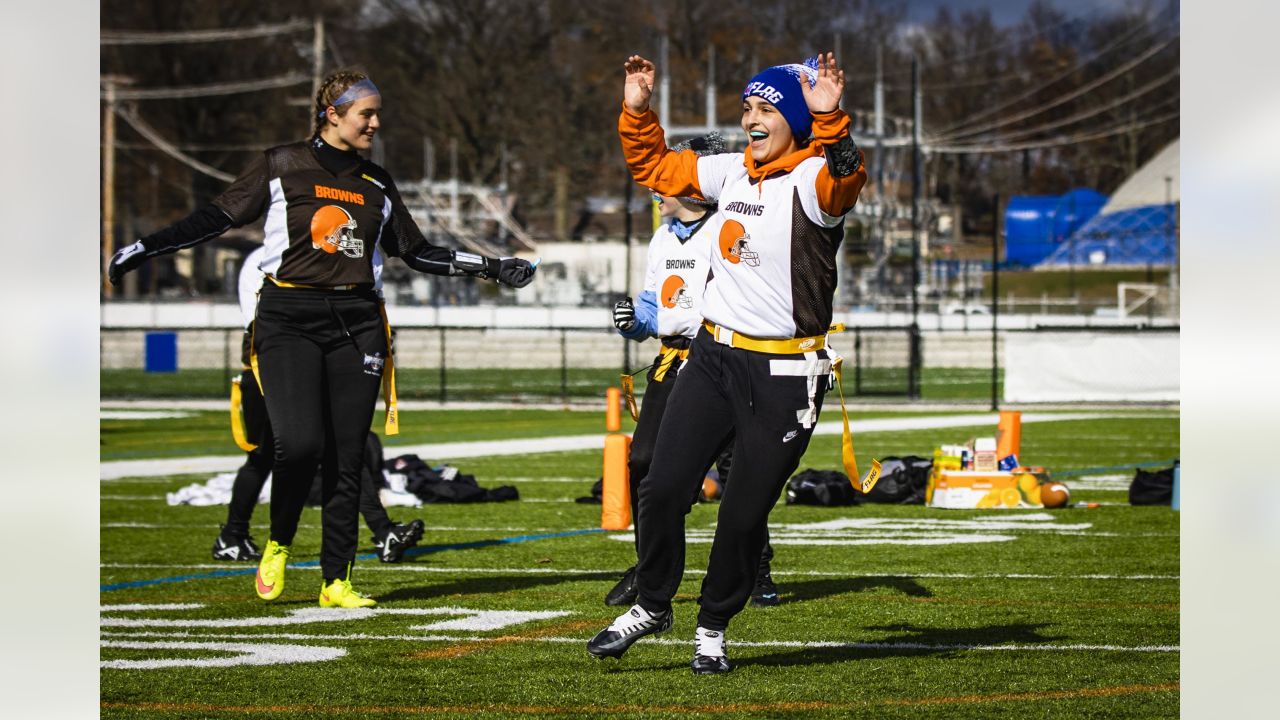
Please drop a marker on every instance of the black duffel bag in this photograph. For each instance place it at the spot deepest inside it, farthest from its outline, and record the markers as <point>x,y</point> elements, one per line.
<point>1152,488</point>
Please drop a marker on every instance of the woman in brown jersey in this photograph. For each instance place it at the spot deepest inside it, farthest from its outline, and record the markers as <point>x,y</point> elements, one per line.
<point>320,336</point>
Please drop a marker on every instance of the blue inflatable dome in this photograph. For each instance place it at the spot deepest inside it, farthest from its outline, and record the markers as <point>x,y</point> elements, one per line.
<point>1037,225</point>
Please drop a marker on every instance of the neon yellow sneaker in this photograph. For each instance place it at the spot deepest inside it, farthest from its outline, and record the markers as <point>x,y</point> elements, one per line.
<point>339,594</point>
<point>269,582</point>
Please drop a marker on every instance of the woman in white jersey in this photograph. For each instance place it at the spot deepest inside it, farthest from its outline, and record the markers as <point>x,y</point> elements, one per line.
<point>759,367</point>
<point>670,308</point>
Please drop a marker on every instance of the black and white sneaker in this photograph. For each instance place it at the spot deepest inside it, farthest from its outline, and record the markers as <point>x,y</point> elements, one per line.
<point>399,538</point>
<point>236,549</point>
<point>709,657</point>
<point>624,593</point>
<point>765,593</point>
<point>629,627</point>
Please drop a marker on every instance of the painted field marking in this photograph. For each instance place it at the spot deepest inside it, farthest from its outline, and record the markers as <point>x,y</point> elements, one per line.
<point>471,620</point>
<point>898,531</point>
<point>260,653</point>
<point>420,550</point>
<point>144,607</point>
<point>142,414</point>
<point>243,654</point>
<point>684,642</point>
<point>312,527</point>
<point>688,571</point>
<point>210,464</point>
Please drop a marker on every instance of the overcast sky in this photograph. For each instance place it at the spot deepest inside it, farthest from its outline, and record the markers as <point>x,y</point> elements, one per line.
<point>1006,12</point>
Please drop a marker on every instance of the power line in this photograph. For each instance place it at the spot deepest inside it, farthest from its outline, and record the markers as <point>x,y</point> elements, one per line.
<point>1092,111</point>
<point>145,37</point>
<point>1118,42</point>
<point>130,115</point>
<point>1029,35</point>
<point>1068,140</point>
<point>1117,72</point>
<point>210,90</point>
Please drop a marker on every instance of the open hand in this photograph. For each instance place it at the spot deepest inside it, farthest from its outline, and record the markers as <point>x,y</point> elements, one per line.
<point>825,94</point>
<point>639,84</point>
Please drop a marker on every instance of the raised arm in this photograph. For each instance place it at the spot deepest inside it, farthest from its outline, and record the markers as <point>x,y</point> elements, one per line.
<point>840,182</point>
<point>644,144</point>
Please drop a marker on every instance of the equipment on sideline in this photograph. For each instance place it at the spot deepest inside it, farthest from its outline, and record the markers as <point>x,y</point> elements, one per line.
<point>1054,495</point>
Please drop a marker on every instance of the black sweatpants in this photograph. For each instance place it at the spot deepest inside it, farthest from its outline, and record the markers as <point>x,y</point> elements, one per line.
<point>645,436</point>
<point>257,466</point>
<point>769,404</point>
<point>320,358</point>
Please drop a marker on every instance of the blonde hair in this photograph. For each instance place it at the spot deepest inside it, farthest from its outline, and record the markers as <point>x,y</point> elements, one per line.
<point>331,89</point>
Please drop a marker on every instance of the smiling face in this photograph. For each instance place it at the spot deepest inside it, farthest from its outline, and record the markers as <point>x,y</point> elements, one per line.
<point>768,133</point>
<point>353,129</point>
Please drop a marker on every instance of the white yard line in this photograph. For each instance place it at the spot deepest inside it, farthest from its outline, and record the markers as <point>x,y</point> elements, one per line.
<point>437,452</point>
<point>783,644</point>
<point>410,567</point>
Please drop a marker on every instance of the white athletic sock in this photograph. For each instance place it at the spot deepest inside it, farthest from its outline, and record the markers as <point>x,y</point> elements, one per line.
<point>708,643</point>
<point>633,619</point>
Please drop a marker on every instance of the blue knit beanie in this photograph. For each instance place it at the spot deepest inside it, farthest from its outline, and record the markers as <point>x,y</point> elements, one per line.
<point>780,86</point>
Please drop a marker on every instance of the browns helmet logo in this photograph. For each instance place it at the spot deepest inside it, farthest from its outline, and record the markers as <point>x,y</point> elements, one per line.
<point>333,230</point>
<point>675,293</point>
<point>733,245</point>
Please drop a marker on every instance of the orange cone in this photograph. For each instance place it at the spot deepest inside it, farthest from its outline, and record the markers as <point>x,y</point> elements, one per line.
<point>615,511</point>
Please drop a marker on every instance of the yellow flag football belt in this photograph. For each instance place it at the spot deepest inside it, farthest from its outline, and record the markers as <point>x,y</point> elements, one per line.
<point>793,346</point>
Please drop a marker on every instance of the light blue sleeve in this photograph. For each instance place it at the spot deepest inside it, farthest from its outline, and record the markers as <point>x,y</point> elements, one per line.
<point>646,317</point>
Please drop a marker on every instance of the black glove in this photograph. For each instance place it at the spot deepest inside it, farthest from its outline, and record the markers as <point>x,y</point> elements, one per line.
<point>516,272</point>
<point>624,315</point>
<point>125,260</point>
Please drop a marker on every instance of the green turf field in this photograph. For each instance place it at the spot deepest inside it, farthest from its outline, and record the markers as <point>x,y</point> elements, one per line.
<point>888,611</point>
<point>537,385</point>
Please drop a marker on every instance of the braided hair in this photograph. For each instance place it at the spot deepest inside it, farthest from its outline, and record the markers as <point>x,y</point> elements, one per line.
<point>331,89</point>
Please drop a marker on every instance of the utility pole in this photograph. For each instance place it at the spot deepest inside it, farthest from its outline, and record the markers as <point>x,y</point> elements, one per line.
<point>995,302</point>
<point>428,159</point>
<point>916,187</point>
<point>109,83</point>
<point>317,66</point>
<point>711,87</point>
<point>878,160</point>
<point>455,212</point>
<point>664,83</point>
